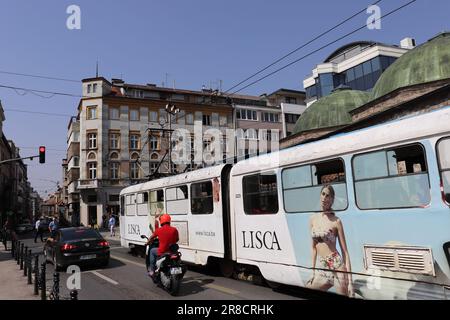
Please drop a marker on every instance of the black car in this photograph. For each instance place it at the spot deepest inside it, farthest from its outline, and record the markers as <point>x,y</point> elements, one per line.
<point>77,246</point>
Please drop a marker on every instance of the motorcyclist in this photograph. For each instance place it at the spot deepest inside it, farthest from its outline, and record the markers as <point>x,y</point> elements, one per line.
<point>167,235</point>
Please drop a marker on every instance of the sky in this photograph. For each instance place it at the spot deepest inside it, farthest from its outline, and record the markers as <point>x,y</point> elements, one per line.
<point>186,43</point>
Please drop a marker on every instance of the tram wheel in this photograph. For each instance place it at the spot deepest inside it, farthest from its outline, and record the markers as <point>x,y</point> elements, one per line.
<point>227,268</point>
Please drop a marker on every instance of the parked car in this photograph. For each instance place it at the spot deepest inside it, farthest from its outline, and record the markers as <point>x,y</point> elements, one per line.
<point>24,228</point>
<point>78,246</point>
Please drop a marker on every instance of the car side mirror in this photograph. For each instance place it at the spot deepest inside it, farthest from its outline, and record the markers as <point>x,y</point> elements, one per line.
<point>143,236</point>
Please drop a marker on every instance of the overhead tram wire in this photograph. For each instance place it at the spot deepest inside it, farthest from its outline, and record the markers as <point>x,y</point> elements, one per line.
<point>38,76</point>
<point>40,113</point>
<point>34,91</point>
<point>317,50</point>
<point>301,47</point>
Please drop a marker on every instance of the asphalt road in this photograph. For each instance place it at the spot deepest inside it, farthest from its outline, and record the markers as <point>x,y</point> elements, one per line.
<point>125,278</point>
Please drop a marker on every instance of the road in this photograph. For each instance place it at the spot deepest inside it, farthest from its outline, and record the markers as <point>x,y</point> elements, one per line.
<point>126,279</point>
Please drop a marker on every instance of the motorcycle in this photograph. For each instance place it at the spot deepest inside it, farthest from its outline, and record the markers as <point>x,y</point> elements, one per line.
<point>169,268</point>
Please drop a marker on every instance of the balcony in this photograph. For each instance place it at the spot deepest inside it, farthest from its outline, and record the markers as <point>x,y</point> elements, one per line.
<point>73,187</point>
<point>87,184</point>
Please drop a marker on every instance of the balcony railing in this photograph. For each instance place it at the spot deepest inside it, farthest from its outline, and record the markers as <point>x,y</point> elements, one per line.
<point>88,184</point>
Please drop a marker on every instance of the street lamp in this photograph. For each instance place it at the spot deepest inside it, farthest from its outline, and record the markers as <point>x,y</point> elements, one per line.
<point>171,110</point>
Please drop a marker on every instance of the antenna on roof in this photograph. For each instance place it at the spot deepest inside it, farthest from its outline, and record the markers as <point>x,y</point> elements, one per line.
<point>96,69</point>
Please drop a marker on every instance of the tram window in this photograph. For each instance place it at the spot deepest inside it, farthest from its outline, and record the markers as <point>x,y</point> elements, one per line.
<point>202,198</point>
<point>178,193</point>
<point>393,178</point>
<point>260,194</point>
<point>156,202</point>
<point>122,205</point>
<point>302,186</point>
<point>443,150</point>
<point>142,198</point>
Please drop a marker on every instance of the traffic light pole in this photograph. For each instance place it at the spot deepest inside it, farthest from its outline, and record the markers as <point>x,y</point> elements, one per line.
<point>18,159</point>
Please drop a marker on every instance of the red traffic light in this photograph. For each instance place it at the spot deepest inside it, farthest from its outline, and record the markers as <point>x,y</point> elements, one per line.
<point>41,154</point>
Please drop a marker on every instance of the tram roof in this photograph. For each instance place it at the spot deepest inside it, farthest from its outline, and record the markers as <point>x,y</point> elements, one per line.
<point>400,130</point>
<point>192,176</point>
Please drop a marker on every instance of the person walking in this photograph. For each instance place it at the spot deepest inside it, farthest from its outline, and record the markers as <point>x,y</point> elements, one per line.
<point>53,227</point>
<point>39,230</point>
<point>112,225</point>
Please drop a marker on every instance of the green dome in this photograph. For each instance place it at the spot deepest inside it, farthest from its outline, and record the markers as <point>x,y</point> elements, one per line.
<point>425,63</point>
<point>332,110</point>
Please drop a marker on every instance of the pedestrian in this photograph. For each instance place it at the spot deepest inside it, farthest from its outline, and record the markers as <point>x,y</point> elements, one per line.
<point>53,228</point>
<point>112,225</point>
<point>39,231</point>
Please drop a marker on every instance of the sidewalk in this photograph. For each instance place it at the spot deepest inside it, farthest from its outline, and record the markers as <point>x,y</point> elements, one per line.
<point>13,285</point>
<point>106,234</point>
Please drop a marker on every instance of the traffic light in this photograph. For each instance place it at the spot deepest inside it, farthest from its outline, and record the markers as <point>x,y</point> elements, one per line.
<point>41,154</point>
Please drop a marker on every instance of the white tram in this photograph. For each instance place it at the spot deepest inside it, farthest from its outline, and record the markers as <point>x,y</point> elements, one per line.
<point>392,194</point>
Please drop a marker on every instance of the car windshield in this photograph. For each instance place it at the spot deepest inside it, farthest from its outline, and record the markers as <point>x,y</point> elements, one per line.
<point>78,234</point>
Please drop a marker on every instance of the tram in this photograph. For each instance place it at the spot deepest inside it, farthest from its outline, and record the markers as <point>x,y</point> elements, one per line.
<point>385,236</point>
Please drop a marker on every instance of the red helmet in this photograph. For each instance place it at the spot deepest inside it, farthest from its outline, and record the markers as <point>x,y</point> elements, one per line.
<point>165,218</point>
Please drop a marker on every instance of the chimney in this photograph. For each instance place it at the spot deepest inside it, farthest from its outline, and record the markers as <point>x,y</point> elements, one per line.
<point>408,43</point>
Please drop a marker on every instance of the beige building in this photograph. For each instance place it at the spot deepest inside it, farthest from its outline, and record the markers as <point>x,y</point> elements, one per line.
<point>123,138</point>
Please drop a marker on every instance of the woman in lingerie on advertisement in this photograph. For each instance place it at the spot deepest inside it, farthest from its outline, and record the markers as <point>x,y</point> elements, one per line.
<point>333,268</point>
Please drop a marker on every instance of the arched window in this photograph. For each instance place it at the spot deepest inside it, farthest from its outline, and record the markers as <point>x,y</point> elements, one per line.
<point>114,156</point>
<point>92,156</point>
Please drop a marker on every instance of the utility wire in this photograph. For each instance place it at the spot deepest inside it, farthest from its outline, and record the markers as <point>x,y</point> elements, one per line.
<point>38,76</point>
<point>36,92</point>
<point>323,47</point>
<point>41,113</point>
<point>301,47</point>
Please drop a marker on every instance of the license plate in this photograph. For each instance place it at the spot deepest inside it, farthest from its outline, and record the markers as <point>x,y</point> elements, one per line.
<point>176,271</point>
<point>88,257</point>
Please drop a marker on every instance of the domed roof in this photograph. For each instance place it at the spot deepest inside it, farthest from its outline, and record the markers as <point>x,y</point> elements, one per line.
<point>425,63</point>
<point>332,110</point>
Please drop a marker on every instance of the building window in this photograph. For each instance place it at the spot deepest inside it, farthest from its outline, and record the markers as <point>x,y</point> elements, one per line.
<point>245,114</point>
<point>206,120</point>
<point>181,117</point>
<point>91,113</point>
<point>291,118</point>
<point>153,116</point>
<point>92,169</point>
<point>189,118</point>
<point>153,167</point>
<point>113,198</point>
<point>94,88</point>
<point>114,170</point>
<point>114,139</point>
<point>291,100</point>
<point>154,145</point>
<point>134,141</point>
<point>92,140</point>
<point>134,115</point>
<point>134,170</point>
<point>138,94</point>
<point>392,178</point>
<point>260,193</point>
<point>223,121</point>
<point>114,113</point>
<point>251,134</point>
<point>270,117</point>
<point>89,88</point>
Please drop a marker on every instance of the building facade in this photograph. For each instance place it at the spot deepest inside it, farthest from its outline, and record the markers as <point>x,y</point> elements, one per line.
<point>124,132</point>
<point>357,65</point>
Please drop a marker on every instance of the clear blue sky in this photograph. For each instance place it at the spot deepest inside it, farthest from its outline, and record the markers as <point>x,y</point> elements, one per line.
<point>195,42</point>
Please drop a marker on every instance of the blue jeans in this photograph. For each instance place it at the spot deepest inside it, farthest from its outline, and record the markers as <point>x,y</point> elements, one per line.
<point>153,255</point>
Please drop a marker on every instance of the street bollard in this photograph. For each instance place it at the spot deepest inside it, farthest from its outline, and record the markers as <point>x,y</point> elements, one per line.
<point>74,295</point>
<point>43,282</point>
<point>12,248</point>
<point>36,275</point>
<point>55,290</point>
<point>18,252</point>
<point>25,262</point>
<point>30,259</point>
<point>21,256</point>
